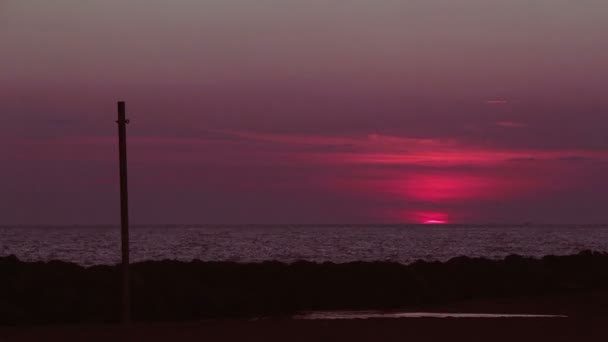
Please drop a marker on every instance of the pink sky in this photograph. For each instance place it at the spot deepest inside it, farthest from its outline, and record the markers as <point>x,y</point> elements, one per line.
<point>305,111</point>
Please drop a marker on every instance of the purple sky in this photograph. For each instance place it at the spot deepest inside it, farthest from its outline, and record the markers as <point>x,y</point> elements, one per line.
<point>317,111</point>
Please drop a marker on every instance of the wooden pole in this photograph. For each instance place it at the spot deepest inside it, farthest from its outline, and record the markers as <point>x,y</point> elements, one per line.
<point>124,213</point>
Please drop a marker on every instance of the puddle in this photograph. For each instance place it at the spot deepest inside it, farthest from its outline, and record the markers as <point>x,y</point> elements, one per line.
<point>381,314</point>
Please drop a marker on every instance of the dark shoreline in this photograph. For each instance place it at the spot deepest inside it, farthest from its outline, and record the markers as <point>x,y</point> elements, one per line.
<point>384,330</point>
<point>387,330</point>
<point>58,292</point>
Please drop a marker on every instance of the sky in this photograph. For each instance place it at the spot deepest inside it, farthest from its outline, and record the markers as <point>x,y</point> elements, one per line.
<point>316,111</point>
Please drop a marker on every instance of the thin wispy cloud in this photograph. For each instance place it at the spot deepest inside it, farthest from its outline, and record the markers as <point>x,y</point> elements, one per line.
<point>511,124</point>
<point>497,102</point>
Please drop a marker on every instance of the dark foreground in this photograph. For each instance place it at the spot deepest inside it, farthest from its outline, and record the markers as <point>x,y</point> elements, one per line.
<point>170,291</point>
<point>520,330</point>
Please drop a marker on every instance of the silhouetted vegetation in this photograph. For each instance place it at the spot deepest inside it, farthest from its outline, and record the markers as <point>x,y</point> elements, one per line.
<point>61,292</point>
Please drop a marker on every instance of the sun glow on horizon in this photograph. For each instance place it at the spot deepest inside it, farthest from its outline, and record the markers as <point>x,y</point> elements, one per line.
<point>435,222</point>
<point>429,218</point>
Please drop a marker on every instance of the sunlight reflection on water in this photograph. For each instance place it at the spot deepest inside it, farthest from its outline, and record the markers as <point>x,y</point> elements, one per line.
<point>379,314</point>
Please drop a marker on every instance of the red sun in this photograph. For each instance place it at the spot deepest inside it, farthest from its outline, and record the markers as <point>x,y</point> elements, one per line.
<point>435,222</point>
<point>427,217</point>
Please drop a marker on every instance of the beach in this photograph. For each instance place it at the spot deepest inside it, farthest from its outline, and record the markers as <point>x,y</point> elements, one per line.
<point>413,329</point>
<point>62,293</point>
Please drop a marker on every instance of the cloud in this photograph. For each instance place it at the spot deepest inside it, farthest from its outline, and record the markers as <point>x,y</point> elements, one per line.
<point>574,158</point>
<point>511,124</point>
<point>242,147</point>
<point>369,141</point>
<point>452,156</point>
<point>387,150</point>
<point>524,159</point>
<point>496,102</point>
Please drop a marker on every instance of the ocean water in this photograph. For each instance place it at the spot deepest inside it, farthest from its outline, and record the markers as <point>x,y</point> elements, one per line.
<point>325,315</point>
<point>89,245</point>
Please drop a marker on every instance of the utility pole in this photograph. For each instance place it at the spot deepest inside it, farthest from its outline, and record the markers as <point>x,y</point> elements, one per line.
<point>124,213</point>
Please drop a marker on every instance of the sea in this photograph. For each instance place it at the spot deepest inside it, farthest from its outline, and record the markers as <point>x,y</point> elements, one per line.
<point>93,245</point>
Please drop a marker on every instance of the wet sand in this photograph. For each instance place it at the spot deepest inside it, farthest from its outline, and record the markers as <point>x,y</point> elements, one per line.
<point>409,329</point>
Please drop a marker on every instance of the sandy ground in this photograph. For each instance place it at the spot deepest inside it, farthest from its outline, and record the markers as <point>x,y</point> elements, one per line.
<point>412,329</point>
